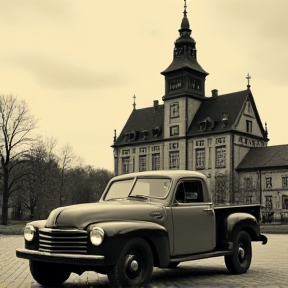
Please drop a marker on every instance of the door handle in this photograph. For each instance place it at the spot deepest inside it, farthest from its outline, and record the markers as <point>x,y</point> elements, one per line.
<point>209,210</point>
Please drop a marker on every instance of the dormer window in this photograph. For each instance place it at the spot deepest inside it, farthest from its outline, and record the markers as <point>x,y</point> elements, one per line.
<point>206,125</point>
<point>224,119</point>
<point>144,134</point>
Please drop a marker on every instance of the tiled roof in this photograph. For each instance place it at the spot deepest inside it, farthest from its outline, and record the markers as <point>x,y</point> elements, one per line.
<point>146,119</point>
<point>185,61</point>
<point>265,157</point>
<point>213,107</point>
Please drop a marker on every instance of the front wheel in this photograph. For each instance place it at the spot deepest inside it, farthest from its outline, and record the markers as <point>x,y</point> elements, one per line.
<point>240,260</point>
<point>134,267</point>
<point>49,274</point>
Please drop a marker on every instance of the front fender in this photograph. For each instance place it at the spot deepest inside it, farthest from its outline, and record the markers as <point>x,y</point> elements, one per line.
<point>117,233</point>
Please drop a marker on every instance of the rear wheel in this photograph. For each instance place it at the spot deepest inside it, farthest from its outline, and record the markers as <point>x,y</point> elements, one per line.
<point>134,267</point>
<point>240,260</point>
<point>49,274</point>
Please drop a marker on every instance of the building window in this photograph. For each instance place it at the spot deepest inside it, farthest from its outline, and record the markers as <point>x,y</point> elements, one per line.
<point>126,152</point>
<point>174,110</point>
<point>220,140</point>
<point>156,161</point>
<point>248,183</point>
<point>155,148</point>
<point>268,182</point>
<point>200,158</point>
<point>195,84</point>
<point>221,157</point>
<point>142,163</point>
<point>174,130</point>
<point>175,84</point>
<point>248,108</point>
<point>284,202</point>
<point>200,143</point>
<point>143,150</point>
<point>174,160</point>
<point>248,126</point>
<point>125,165</point>
<point>173,146</point>
<point>284,181</point>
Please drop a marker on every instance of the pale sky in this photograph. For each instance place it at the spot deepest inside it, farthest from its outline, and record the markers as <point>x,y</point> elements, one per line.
<point>78,63</point>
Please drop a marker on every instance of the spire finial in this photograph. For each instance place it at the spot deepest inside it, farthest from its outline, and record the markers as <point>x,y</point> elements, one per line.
<point>248,77</point>
<point>266,130</point>
<point>185,11</point>
<point>115,137</point>
<point>134,103</point>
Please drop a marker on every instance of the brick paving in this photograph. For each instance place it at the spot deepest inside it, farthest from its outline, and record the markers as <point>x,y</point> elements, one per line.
<point>269,269</point>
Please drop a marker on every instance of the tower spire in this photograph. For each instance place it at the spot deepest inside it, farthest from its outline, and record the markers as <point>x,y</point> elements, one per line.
<point>185,11</point>
<point>134,103</point>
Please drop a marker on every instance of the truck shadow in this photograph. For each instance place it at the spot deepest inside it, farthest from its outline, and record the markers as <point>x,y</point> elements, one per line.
<point>161,278</point>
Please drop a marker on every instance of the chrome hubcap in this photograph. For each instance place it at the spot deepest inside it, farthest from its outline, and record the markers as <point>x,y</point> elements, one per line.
<point>134,265</point>
<point>241,253</point>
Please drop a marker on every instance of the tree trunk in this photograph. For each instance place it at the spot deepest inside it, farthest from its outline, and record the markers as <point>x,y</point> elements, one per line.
<point>5,196</point>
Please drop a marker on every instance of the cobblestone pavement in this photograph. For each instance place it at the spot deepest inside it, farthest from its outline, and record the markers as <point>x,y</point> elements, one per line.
<point>269,269</point>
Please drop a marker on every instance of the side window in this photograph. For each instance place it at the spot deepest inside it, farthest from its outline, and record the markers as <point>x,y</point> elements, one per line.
<point>189,192</point>
<point>193,191</point>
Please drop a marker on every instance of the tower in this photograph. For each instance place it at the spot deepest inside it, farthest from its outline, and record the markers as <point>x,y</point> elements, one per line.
<point>184,83</point>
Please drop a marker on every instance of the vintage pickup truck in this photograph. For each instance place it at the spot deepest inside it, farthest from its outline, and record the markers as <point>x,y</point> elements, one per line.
<point>143,220</point>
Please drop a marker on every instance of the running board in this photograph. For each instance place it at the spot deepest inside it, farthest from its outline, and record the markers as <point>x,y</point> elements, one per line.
<point>200,256</point>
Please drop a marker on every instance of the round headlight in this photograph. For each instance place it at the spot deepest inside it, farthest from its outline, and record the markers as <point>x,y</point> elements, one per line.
<point>97,235</point>
<point>29,232</point>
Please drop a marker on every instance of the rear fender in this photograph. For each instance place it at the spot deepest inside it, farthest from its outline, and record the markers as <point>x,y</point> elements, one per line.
<point>243,221</point>
<point>118,233</point>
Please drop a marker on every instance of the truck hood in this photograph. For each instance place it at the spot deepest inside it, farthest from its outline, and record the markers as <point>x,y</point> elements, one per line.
<point>82,215</point>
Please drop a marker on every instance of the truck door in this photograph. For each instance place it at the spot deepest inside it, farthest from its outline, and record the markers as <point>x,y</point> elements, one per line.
<point>193,219</point>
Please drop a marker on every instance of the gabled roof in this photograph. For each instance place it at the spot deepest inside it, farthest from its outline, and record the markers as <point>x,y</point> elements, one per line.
<point>212,108</point>
<point>262,158</point>
<point>184,61</point>
<point>146,120</point>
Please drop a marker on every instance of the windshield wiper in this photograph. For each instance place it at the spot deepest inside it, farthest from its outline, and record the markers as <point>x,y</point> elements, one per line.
<point>138,196</point>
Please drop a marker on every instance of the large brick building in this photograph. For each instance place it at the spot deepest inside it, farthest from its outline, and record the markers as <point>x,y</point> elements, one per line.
<point>191,130</point>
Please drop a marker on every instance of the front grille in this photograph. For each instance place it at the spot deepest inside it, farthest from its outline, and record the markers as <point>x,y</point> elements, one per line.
<point>63,241</point>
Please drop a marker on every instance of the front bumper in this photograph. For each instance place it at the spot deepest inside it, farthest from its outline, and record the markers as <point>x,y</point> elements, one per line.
<point>74,259</point>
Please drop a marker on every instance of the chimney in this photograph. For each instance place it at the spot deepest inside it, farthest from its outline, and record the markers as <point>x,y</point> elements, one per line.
<point>214,93</point>
<point>156,103</point>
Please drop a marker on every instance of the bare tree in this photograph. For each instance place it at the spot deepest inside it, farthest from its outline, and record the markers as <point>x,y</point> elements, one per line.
<point>17,124</point>
<point>65,162</point>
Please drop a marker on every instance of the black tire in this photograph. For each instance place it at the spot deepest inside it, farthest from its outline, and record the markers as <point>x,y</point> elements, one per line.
<point>173,265</point>
<point>240,260</point>
<point>134,267</point>
<point>49,274</point>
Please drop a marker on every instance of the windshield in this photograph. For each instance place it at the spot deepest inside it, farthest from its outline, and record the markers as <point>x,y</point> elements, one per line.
<point>149,187</point>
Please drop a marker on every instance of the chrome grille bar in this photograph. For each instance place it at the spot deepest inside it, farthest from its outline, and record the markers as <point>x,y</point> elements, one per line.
<point>63,241</point>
